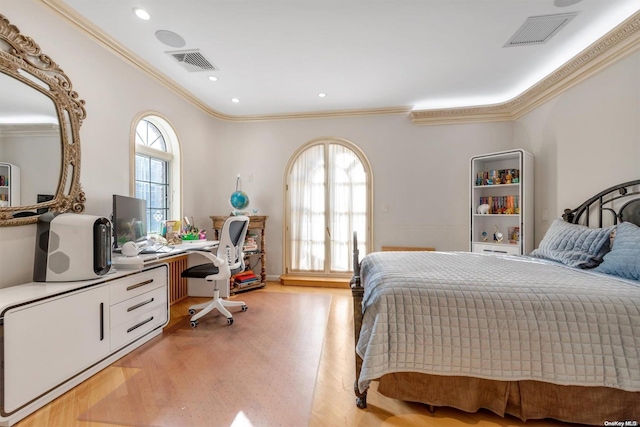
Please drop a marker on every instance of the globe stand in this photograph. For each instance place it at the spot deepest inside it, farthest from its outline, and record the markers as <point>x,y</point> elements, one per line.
<point>238,200</point>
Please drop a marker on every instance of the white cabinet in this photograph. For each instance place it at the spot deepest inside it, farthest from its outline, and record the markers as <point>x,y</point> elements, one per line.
<point>52,340</point>
<point>504,182</point>
<point>9,185</point>
<point>55,335</point>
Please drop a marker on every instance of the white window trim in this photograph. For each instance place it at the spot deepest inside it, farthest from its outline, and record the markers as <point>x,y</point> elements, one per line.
<point>173,154</point>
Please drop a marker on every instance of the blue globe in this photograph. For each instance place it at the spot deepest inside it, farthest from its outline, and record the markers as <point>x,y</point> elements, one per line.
<point>239,200</point>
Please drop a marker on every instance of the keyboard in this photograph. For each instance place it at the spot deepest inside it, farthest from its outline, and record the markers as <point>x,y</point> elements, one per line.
<point>154,249</point>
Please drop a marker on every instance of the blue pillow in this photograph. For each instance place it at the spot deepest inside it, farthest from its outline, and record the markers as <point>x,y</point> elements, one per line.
<point>573,244</point>
<point>624,258</point>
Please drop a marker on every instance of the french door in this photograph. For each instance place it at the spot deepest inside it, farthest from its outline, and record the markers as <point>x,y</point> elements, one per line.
<point>328,196</point>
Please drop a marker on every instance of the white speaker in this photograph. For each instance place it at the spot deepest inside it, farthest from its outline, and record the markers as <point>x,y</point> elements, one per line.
<point>130,249</point>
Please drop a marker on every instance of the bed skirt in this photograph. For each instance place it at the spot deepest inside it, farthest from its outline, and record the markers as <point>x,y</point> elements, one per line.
<point>523,399</point>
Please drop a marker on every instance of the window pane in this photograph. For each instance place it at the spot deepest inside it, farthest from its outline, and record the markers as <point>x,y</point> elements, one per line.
<point>155,219</point>
<point>158,196</point>
<point>158,171</point>
<point>142,167</point>
<point>148,134</point>
<point>142,191</point>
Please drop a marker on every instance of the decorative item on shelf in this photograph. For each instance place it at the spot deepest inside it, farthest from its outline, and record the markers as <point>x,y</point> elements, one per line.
<point>514,234</point>
<point>497,235</point>
<point>239,199</point>
<point>483,209</point>
<point>250,243</point>
<point>484,236</point>
<point>190,232</point>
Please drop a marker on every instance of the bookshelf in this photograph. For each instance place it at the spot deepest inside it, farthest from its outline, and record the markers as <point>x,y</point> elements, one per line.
<point>9,185</point>
<point>255,255</point>
<point>503,183</point>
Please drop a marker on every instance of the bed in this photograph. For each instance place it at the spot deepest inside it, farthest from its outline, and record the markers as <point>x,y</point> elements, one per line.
<point>554,334</point>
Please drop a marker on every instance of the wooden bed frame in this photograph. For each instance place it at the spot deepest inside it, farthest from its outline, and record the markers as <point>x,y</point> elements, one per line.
<point>544,400</point>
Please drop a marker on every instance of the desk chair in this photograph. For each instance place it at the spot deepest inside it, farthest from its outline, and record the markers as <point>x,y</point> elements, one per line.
<point>228,260</point>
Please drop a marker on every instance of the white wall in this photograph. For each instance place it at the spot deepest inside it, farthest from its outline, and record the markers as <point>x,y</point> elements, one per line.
<point>585,140</point>
<point>39,173</point>
<point>421,172</point>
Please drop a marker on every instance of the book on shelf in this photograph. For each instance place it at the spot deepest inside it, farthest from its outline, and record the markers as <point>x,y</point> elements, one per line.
<point>245,276</point>
<point>247,284</point>
<point>505,205</point>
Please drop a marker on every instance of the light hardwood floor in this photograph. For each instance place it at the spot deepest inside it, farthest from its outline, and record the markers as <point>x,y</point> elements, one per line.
<point>334,401</point>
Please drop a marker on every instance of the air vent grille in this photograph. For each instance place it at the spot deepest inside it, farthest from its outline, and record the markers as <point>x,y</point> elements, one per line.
<point>539,29</point>
<point>192,60</point>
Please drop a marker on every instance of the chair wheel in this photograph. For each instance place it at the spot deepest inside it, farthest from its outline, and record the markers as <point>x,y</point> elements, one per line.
<point>192,311</point>
<point>229,320</point>
<point>245,307</point>
<point>194,323</point>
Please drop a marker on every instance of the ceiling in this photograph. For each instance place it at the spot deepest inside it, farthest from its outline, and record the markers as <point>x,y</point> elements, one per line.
<point>277,56</point>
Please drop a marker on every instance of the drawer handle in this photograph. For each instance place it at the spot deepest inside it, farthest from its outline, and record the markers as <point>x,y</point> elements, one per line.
<point>146,282</point>
<point>140,324</point>
<point>101,321</point>
<point>140,305</point>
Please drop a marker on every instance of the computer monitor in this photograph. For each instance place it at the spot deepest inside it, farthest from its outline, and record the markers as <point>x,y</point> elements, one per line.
<point>129,220</point>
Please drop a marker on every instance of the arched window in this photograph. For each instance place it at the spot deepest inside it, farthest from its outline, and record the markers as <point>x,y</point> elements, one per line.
<point>328,196</point>
<point>156,170</point>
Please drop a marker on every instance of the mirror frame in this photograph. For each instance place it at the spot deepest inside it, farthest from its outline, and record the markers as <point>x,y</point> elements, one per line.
<point>22,59</point>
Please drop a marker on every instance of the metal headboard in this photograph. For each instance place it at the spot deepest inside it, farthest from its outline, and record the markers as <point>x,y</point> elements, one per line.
<point>619,203</point>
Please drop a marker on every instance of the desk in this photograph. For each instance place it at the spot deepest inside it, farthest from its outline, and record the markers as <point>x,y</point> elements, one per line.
<point>177,260</point>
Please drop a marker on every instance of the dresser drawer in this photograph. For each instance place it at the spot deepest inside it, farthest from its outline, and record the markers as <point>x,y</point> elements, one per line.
<point>137,326</point>
<point>503,249</point>
<point>132,286</point>
<point>143,303</point>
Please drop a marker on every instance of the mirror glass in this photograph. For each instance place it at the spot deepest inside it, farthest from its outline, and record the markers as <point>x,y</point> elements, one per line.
<point>29,139</point>
<point>40,118</point>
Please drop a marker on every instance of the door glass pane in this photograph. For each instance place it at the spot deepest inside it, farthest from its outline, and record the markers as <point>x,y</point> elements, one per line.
<point>307,201</point>
<point>348,206</point>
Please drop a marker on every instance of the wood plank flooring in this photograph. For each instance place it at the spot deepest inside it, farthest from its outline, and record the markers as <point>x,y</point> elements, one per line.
<point>334,402</point>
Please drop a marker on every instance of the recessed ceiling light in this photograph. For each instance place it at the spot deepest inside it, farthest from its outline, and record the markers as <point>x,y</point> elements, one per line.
<point>236,100</point>
<point>141,13</point>
<point>322,95</point>
<point>213,78</point>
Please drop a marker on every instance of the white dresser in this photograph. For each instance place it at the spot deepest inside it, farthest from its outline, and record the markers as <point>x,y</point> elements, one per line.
<point>53,336</point>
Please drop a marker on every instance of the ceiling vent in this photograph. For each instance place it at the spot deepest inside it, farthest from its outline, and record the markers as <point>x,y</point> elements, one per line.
<point>539,29</point>
<point>192,60</point>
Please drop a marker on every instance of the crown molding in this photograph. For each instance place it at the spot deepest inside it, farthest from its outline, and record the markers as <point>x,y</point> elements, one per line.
<point>617,44</point>
<point>29,129</point>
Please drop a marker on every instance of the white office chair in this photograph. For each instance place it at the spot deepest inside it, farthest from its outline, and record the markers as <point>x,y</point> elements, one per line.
<point>228,260</point>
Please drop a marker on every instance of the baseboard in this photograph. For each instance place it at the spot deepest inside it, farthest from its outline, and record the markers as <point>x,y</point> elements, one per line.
<point>314,281</point>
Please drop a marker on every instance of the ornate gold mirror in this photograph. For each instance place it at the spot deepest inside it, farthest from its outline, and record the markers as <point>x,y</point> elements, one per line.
<point>40,119</point>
